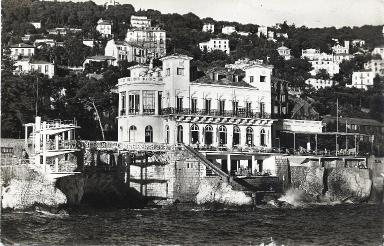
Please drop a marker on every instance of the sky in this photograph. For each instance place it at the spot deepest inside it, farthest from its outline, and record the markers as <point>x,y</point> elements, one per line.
<point>311,13</point>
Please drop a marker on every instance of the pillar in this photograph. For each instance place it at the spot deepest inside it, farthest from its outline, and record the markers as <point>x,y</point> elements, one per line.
<point>253,164</point>
<point>141,105</point>
<point>229,163</point>
<point>294,142</point>
<point>316,144</point>
<point>44,146</point>
<point>25,137</point>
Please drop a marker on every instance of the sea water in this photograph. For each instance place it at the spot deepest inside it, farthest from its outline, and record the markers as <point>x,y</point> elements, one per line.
<point>341,224</point>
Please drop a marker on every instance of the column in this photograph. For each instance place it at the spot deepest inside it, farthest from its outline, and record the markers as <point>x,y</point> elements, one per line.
<point>316,144</point>
<point>294,142</point>
<point>44,147</point>
<point>141,104</point>
<point>229,163</point>
<point>254,164</point>
<point>69,135</point>
<point>26,137</point>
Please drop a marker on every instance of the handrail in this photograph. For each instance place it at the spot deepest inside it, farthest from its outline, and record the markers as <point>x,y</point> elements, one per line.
<point>205,161</point>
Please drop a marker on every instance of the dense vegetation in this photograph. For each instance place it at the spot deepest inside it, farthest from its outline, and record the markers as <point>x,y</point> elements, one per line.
<point>71,95</point>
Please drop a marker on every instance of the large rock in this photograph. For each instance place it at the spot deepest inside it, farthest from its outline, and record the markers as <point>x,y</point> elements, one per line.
<point>308,179</point>
<point>220,192</point>
<point>352,184</point>
<point>27,187</point>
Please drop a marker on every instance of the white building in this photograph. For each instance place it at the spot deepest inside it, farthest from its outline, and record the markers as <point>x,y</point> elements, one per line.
<point>23,50</point>
<point>110,3</point>
<point>262,31</point>
<point>104,27</point>
<point>378,51</point>
<point>107,60</point>
<point>362,79</point>
<point>358,42</point>
<point>161,105</point>
<point>339,58</point>
<point>282,35</point>
<point>284,52</point>
<point>376,65</point>
<point>215,44</point>
<point>228,30</point>
<point>140,21</point>
<point>243,63</point>
<point>209,27</point>
<point>328,64</point>
<point>47,41</point>
<point>89,42</point>
<point>310,54</point>
<point>36,24</point>
<point>24,66</point>
<point>244,33</point>
<point>338,49</point>
<point>319,83</point>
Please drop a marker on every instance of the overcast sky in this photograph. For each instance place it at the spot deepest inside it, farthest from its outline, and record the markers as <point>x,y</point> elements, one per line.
<point>312,13</point>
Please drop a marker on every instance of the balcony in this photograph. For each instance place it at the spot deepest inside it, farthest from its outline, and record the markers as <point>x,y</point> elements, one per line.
<point>241,112</point>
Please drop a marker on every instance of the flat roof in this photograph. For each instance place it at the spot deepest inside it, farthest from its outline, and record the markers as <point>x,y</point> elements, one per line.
<point>325,133</point>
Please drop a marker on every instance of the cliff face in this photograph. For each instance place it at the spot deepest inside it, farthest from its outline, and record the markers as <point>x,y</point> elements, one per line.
<point>24,187</point>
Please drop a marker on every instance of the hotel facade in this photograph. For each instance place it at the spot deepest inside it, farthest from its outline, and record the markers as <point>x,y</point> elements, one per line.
<point>225,109</point>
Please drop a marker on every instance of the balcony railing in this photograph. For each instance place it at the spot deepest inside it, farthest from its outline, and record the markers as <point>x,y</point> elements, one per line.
<point>241,112</point>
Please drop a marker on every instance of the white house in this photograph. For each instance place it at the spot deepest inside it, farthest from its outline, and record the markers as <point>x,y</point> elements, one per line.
<point>150,40</point>
<point>23,50</point>
<point>209,27</point>
<point>319,83</point>
<point>379,50</point>
<point>108,60</point>
<point>376,65</point>
<point>284,52</point>
<point>104,27</point>
<point>262,31</point>
<point>228,30</point>
<point>338,49</point>
<point>282,35</point>
<point>140,21</point>
<point>362,79</point>
<point>26,66</point>
<point>48,41</point>
<point>310,54</point>
<point>244,33</point>
<point>36,24</point>
<point>339,58</point>
<point>110,3</point>
<point>215,44</point>
<point>358,42</point>
<point>328,64</point>
<point>223,109</point>
<point>89,42</point>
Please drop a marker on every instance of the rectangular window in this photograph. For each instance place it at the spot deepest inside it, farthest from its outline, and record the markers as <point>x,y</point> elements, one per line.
<point>39,68</point>
<point>262,108</point>
<point>134,102</point>
<point>46,68</point>
<point>168,71</point>
<point>248,107</point>
<point>179,104</point>
<point>160,101</point>
<point>251,79</point>
<point>149,102</point>
<point>262,78</point>
<point>207,106</point>
<point>180,71</point>
<point>221,107</point>
<point>194,105</point>
<point>123,102</point>
<point>235,107</point>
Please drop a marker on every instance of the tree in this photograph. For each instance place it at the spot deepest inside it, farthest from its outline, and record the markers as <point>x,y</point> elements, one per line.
<point>322,74</point>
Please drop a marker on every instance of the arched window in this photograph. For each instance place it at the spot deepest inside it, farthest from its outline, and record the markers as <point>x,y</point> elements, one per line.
<point>236,135</point>
<point>222,135</point>
<point>167,134</point>
<point>262,137</point>
<point>132,133</point>
<point>249,136</point>
<point>208,136</point>
<point>148,134</point>
<point>180,134</point>
<point>194,134</point>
